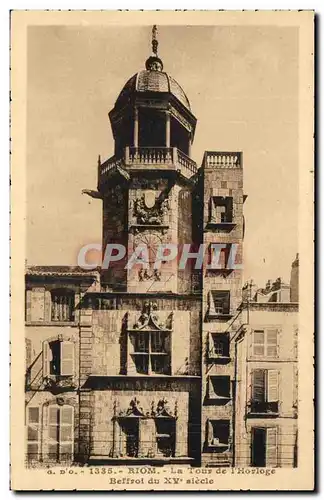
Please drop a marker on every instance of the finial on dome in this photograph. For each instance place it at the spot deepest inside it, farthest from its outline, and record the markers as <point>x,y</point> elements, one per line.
<point>154,63</point>
<point>155,43</point>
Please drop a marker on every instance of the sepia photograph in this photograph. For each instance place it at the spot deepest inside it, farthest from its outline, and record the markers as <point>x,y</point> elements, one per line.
<point>163,311</point>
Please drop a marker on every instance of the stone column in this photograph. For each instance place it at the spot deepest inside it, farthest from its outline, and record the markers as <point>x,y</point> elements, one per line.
<point>136,128</point>
<point>167,129</point>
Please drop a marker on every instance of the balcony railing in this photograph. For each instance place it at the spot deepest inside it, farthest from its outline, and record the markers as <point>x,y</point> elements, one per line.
<point>160,157</point>
<point>215,159</point>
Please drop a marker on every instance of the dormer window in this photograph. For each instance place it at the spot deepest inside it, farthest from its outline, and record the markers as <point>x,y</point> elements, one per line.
<point>62,305</point>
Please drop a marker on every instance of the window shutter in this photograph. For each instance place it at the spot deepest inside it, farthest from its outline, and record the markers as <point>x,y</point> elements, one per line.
<point>33,428</point>
<point>210,432</point>
<point>273,386</point>
<point>67,358</point>
<point>46,359</point>
<point>258,343</point>
<point>272,447</point>
<point>28,354</point>
<point>66,432</point>
<point>258,386</point>
<point>272,342</point>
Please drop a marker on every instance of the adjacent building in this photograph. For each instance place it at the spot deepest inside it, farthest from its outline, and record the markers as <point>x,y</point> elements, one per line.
<point>266,375</point>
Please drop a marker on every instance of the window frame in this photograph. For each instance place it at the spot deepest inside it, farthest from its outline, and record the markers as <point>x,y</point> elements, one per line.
<point>152,355</point>
<point>65,293</point>
<point>262,404</point>
<point>266,343</point>
<point>47,357</point>
<point>225,310</point>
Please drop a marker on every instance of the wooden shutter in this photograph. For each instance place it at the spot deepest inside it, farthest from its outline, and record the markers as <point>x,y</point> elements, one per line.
<point>33,433</point>
<point>67,358</point>
<point>272,342</point>
<point>28,354</point>
<point>272,447</point>
<point>66,432</point>
<point>46,359</point>
<point>258,343</point>
<point>52,432</point>
<point>272,386</point>
<point>258,386</point>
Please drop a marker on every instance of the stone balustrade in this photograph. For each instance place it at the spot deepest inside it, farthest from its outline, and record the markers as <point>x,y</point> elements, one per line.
<point>216,159</point>
<point>142,157</point>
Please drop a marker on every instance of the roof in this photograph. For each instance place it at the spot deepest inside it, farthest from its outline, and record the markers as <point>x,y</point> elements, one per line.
<point>152,81</point>
<point>73,271</point>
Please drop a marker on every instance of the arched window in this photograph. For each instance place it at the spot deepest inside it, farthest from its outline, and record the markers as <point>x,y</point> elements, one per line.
<point>60,433</point>
<point>62,304</point>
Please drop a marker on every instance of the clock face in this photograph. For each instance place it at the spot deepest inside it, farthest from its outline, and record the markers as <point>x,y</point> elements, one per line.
<point>149,240</point>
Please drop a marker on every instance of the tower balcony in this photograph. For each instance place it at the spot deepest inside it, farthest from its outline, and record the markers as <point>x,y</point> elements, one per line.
<point>148,158</point>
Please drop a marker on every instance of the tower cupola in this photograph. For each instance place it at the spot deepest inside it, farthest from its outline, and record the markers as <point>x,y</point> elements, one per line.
<point>152,110</point>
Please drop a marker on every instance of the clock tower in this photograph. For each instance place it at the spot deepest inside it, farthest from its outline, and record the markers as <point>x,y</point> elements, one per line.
<point>147,186</point>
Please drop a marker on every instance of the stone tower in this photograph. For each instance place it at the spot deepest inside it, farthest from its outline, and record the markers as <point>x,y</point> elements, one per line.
<point>146,321</point>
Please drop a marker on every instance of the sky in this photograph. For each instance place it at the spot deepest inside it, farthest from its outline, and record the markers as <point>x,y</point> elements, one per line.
<point>242,84</point>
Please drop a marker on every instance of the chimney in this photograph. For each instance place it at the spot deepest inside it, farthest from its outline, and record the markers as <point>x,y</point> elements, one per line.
<point>294,280</point>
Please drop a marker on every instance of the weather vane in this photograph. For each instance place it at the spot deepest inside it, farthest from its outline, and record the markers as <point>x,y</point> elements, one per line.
<point>155,43</point>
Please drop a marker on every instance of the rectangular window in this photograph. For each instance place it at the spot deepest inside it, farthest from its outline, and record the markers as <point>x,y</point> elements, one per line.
<point>33,433</point>
<point>265,391</point>
<point>58,358</point>
<point>219,345</point>
<point>219,387</point>
<point>219,303</point>
<point>221,209</point>
<point>62,305</point>
<point>218,433</point>
<point>265,343</point>
<point>151,352</point>
<point>60,433</point>
<point>264,447</point>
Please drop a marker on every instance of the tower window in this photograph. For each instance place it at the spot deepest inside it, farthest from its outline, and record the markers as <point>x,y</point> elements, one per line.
<point>219,387</point>
<point>62,305</point>
<point>218,433</point>
<point>219,303</point>
<point>221,209</point>
<point>218,345</point>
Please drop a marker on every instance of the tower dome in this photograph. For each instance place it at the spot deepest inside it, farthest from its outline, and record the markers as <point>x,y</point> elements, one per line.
<point>151,80</point>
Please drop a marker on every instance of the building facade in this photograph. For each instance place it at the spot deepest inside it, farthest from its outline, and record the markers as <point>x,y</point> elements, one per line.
<point>137,364</point>
<point>266,374</point>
